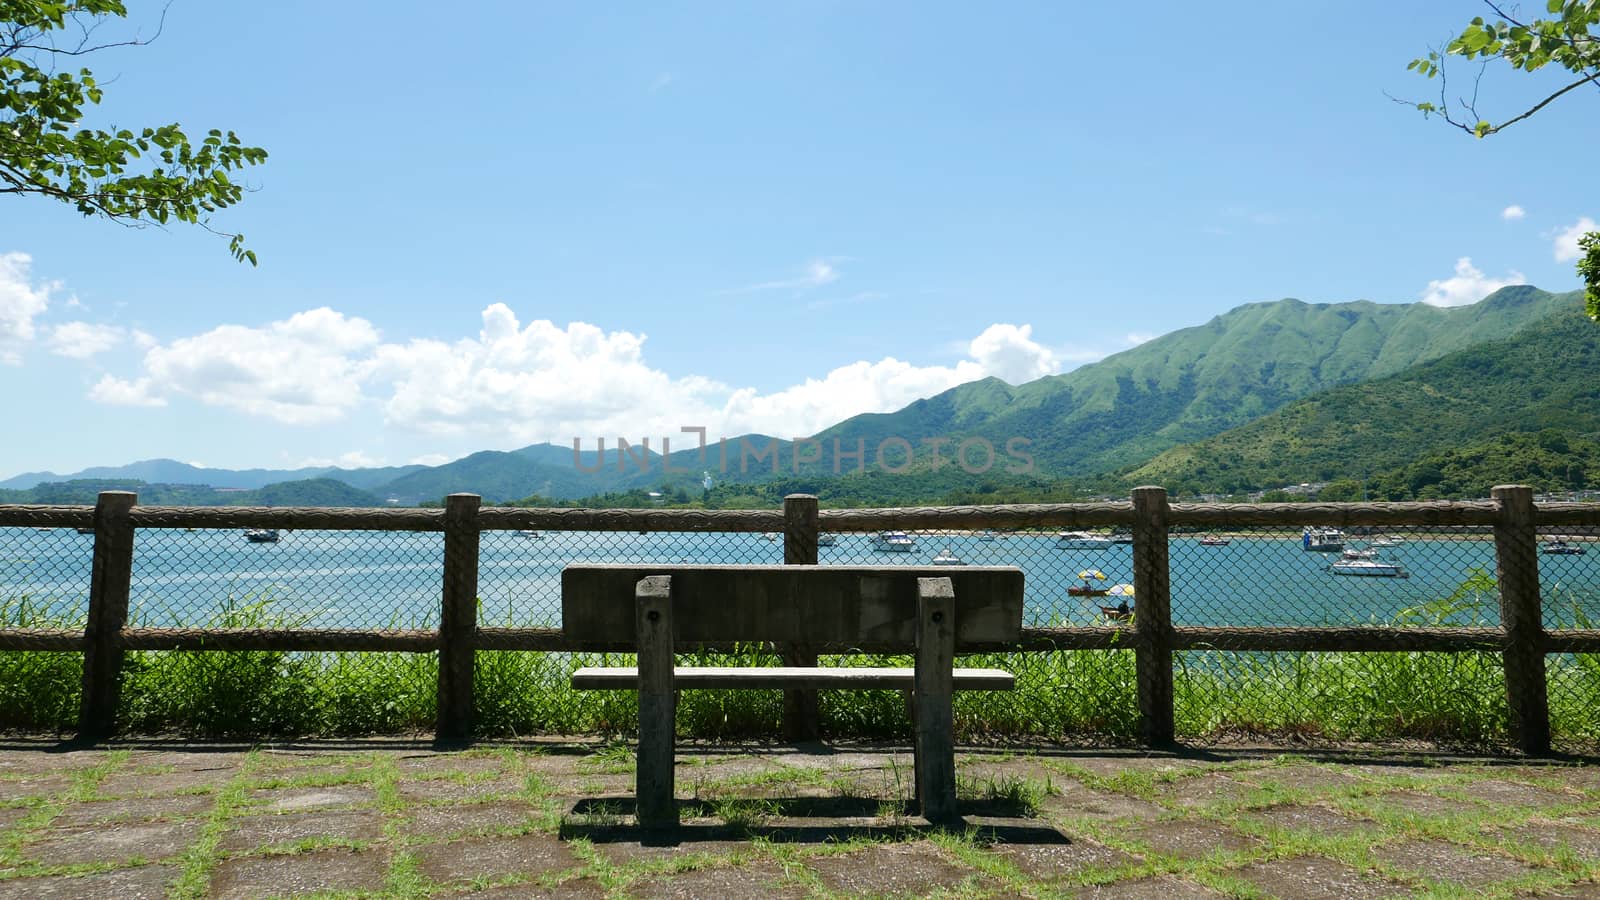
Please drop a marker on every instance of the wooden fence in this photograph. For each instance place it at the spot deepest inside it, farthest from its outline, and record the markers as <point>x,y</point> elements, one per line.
<point>1511,514</point>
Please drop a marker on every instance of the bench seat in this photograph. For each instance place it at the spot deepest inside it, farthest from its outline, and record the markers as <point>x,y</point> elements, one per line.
<point>790,677</point>
<point>932,614</point>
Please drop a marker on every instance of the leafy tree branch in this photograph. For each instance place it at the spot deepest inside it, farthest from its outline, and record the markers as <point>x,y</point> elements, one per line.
<point>154,175</point>
<point>1569,39</point>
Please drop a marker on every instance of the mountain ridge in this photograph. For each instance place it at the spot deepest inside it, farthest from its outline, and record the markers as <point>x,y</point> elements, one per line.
<point>1105,417</point>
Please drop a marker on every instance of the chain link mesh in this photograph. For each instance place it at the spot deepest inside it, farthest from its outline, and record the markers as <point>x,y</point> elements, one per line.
<point>1381,581</point>
<point>519,572</point>
<point>1311,577</point>
<point>278,578</point>
<point>44,584</point>
<point>1569,598</point>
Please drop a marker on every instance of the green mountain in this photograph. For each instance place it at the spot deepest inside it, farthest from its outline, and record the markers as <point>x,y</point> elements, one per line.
<point>1546,376</point>
<point>1108,417</point>
<point>306,492</point>
<point>1548,460</point>
<point>1197,382</point>
<point>170,471</point>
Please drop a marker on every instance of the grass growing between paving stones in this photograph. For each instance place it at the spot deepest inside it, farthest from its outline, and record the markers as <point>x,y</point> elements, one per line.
<point>1475,829</point>
<point>82,785</point>
<point>201,858</point>
<point>1446,831</point>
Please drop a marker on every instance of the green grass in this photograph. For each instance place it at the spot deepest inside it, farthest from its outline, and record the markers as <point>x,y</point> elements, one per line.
<point>1457,698</point>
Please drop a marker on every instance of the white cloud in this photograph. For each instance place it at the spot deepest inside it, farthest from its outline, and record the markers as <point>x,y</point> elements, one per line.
<point>1135,338</point>
<point>1566,240</point>
<point>662,81</point>
<point>1009,353</point>
<point>1467,286</point>
<point>532,382</point>
<point>117,392</point>
<point>535,382</point>
<point>818,272</point>
<point>430,459</point>
<point>542,382</point>
<point>300,371</point>
<point>1512,213</point>
<point>355,459</point>
<point>81,340</point>
<point>20,302</point>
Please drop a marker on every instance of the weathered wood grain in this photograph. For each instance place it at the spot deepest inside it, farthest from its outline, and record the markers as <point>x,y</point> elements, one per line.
<point>756,677</point>
<point>935,722</point>
<point>654,787</point>
<point>840,605</point>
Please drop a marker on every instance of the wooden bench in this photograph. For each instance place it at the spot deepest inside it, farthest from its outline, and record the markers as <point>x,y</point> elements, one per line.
<point>933,613</point>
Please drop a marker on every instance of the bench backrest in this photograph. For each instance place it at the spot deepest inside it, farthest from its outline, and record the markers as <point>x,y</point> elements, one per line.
<point>869,608</point>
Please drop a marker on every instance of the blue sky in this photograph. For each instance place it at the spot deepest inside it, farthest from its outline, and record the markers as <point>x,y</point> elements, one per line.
<point>543,221</point>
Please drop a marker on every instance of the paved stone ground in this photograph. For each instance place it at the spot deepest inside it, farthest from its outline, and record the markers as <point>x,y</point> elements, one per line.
<point>552,818</point>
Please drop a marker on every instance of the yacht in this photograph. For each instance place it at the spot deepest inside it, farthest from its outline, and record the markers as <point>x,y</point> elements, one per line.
<point>530,534</point>
<point>1083,540</point>
<point>261,535</point>
<point>1322,540</point>
<point>987,535</point>
<point>827,539</point>
<point>893,542</point>
<point>1372,568</point>
<point>948,558</point>
<point>1560,548</point>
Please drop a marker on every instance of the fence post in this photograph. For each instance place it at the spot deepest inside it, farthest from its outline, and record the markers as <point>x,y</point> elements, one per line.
<point>1516,548</point>
<point>458,616</point>
<point>1152,621</point>
<point>110,576</point>
<point>801,721</point>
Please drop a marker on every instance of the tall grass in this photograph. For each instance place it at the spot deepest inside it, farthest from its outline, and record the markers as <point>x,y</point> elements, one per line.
<point>38,691</point>
<point>1454,697</point>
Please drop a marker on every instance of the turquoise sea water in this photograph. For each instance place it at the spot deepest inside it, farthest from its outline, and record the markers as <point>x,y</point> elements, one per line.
<point>391,579</point>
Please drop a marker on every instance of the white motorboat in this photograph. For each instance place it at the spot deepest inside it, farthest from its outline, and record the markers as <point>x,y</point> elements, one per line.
<point>826,539</point>
<point>261,535</point>
<point>1560,548</point>
<point>1083,540</point>
<point>1371,568</point>
<point>987,535</point>
<point>948,558</point>
<point>530,534</point>
<point>893,542</point>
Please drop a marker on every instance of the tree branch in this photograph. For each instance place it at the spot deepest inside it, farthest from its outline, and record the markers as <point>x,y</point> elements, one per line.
<point>1593,78</point>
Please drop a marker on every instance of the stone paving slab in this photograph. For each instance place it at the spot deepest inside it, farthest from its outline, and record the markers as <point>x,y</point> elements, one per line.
<point>111,843</point>
<point>139,883</point>
<point>493,857</point>
<point>303,873</point>
<point>248,833</point>
<point>95,812</point>
<point>554,818</point>
<point>1317,878</point>
<point>1452,863</point>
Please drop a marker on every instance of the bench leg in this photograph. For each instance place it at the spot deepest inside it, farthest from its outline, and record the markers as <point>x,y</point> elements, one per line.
<point>934,684</point>
<point>656,805</point>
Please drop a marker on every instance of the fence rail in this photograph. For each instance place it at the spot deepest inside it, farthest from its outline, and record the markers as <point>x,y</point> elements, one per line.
<point>1511,516</point>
